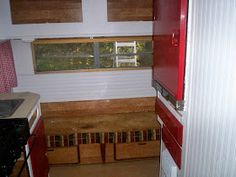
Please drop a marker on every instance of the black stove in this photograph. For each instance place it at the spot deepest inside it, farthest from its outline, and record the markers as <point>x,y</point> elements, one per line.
<point>8,107</point>
<point>14,134</point>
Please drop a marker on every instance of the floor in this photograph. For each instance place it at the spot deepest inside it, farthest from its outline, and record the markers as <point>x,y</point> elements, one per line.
<point>131,168</point>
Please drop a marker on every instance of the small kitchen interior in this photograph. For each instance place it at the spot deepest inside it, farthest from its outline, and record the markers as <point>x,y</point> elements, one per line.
<point>106,88</point>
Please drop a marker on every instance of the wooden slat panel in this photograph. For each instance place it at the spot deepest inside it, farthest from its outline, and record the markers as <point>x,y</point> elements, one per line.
<point>96,107</point>
<point>44,11</point>
<point>129,10</point>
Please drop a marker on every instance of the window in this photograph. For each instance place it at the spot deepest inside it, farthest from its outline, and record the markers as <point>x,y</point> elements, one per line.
<point>53,55</point>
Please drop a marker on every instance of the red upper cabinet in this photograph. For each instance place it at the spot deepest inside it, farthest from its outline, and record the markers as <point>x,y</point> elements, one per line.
<point>169,36</point>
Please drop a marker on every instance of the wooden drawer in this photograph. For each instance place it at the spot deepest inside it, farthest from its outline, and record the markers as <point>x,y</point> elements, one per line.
<point>172,146</point>
<point>137,150</point>
<point>171,123</point>
<point>109,152</point>
<point>90,153</point>
<point>62,155</point>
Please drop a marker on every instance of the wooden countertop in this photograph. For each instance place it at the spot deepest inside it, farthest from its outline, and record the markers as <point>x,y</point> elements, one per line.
<point>101,123</point>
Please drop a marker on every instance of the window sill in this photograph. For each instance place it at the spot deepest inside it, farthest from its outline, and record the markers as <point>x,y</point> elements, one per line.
<point>92,70</point>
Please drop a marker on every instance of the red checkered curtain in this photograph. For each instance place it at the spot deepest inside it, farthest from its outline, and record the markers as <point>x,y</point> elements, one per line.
<point>7,68</point>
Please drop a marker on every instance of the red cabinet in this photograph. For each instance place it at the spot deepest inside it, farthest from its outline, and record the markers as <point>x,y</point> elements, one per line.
<point>171,123</point>
<point>37,144</point>
<point>169,40</point>
<point>172,131</point>
<point>169,36</point>
<point>171,144</point>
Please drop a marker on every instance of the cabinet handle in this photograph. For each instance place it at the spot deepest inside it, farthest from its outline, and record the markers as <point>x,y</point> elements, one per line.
<point>175,38</point>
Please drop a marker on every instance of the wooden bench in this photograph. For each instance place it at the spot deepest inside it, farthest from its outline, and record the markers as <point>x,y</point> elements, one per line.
<point>85,134</point>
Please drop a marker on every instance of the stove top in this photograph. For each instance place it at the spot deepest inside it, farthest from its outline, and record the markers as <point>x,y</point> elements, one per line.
<point>8,107</point>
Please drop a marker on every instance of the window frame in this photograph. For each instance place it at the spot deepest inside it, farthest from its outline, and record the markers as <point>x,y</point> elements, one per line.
<point>87,40</point>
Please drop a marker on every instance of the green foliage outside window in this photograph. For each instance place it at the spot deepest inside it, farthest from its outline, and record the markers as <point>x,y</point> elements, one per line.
<point>76,56</point>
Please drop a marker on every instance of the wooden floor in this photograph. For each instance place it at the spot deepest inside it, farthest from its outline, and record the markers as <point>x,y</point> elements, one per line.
<point>131,168</point>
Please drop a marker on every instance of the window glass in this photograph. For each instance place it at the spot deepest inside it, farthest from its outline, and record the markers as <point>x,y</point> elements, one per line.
<point>56,57</point>
<point>91,55</point>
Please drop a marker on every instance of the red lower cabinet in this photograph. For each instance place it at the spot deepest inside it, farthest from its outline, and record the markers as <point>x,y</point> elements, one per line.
<point>172,124</point>
<point>172,146</point>
<point>172,131</point>
<point>37,144</point>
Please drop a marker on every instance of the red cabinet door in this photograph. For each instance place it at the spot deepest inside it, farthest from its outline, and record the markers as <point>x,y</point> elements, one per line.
<point>169,120</point>
<point>169,35</point>
<point>173,147</point>
<point>37,144</point>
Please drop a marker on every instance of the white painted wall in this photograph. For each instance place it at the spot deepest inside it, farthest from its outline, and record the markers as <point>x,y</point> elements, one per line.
<point>94,24</point>
<point>210,117</point>
<point>83,85</point>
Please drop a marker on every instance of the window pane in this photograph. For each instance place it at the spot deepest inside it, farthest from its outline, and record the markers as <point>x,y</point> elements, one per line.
<point>106,47</point>
<point>56,64</point>
<point>107,62</point>
<point>145,60</point>
<point>125,50</point>
<point>55,57</point>
<point>126,65</point>
<point>144,46</point>
<point>88,55</point>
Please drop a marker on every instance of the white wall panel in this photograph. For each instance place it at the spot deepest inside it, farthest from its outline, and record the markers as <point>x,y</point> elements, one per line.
<point>88,86</point>
<point>78,85</point>
<point>211,100</point>
<point>94,24</point>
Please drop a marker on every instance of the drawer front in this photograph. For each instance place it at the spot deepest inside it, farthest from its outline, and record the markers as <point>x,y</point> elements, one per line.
<point>137,150</point>
<point>172,146</point>
<point>90,153</point>
<point>173,125</point>
<point>63,155</point>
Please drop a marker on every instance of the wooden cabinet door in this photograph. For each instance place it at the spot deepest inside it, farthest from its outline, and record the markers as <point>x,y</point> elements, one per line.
<point>169,34</point>
<point>37,143</point>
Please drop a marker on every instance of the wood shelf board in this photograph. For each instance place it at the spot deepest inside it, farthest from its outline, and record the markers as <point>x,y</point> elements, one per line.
<point>101,123</point>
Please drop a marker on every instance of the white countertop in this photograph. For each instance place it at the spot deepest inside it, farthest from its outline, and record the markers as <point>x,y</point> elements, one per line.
<point>29,103</point>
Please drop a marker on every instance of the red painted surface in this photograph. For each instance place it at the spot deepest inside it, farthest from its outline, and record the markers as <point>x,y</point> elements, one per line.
<point>172,146</point>
<point>173,125</point>
<point>169,36</point>
<point>38,156</point>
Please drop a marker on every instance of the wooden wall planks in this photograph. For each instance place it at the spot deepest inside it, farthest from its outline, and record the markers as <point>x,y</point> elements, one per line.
<point>44,11</point>
<point>129,10</point>
<point>97,107</point>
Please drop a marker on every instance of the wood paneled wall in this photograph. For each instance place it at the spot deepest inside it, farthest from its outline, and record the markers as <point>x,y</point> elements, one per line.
<point>45,11</point>
<point>129,10</point>
<point>97,107</point>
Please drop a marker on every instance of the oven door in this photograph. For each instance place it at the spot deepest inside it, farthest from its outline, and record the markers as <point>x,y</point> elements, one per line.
<point>21,168</point>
